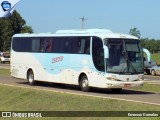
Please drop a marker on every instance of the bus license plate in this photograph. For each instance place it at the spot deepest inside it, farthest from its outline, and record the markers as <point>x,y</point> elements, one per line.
<point>127,85</point>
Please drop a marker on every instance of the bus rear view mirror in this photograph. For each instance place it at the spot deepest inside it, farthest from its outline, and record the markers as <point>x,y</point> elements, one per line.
<point>106,52</point>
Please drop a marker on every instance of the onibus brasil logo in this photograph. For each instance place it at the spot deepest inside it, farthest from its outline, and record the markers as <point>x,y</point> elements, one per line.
<point>6,5</point>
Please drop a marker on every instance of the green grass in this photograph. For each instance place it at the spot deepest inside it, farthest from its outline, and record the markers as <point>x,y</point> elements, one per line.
<point>155,57</point>
<point>4,71</point>
<point>22,99</point>
<point>13,98</point>
<point>149,87</point>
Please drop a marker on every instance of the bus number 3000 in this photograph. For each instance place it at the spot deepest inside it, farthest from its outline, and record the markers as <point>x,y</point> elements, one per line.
<point>57,59</point>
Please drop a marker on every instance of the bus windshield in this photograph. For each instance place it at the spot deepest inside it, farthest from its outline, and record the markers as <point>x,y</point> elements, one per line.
<point>125,56</point>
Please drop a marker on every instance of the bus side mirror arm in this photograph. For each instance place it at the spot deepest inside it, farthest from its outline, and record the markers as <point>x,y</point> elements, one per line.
<point>148,54</point>
<point>106,52</point>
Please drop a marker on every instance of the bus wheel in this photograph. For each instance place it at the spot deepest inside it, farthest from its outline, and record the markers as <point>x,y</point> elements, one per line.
<point>84,84</point>
<point>153,72</point>
<point>30,77</point>
<point>116,90</point>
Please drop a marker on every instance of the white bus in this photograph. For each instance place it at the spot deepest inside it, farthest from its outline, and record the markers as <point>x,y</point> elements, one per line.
<point>88,58</point>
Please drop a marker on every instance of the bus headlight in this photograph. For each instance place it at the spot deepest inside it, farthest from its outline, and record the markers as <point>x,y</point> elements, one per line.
<point>141,77</point>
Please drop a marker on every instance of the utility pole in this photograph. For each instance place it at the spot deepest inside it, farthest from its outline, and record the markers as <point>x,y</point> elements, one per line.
<point>83,19</point>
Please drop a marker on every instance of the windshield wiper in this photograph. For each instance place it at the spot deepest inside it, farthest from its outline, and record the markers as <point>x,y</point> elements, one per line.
<point>128,62</point>
<point>132,66</point>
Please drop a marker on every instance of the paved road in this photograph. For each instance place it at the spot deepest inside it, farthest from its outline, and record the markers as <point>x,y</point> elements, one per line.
<point>152,79</point>
<point>5,66</point>
<point>127,95</point>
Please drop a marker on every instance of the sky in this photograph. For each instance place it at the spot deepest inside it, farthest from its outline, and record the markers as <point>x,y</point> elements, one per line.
<point>118,16</point>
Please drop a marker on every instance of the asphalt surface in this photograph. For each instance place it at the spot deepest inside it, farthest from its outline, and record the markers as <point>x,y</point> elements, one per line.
<point>5,66</point>
<point>126,95</point>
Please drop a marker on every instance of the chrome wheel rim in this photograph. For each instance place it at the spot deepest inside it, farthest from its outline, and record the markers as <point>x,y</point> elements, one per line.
<point>85,83</point>
<point>31,78</point>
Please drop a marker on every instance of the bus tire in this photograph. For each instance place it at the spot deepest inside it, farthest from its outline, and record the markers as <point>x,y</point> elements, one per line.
<point>153,72</point>
<point>30,77</point>
<point>84,84</point>
<point>116,90</point>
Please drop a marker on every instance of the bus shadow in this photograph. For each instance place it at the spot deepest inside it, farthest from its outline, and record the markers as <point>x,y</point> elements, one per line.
<point>67,88</point>
<point>123,92</point>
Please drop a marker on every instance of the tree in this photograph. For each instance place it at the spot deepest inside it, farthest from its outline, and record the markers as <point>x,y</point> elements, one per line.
<point>135,32</point>
<point>10,26</point>
<point>151,44</point>
<point>5,34</point>
<point>17,22</point>
<point>27,29</point>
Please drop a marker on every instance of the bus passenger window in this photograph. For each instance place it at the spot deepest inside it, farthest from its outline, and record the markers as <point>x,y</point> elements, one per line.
<point>42,46</point>
<point>87,47</point>
<point>48,45</point>
<point>83,45</point>
<point>78,46</point>
<point>36,45</point>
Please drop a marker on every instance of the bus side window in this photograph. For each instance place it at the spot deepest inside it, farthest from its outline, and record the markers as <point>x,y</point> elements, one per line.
<point>87,46</point>
<point>47,45</point>
<point>50,47</point>
<point>83,45</point>
<point>42,45</point>
<point>78,46</point>
<point>36,45</point>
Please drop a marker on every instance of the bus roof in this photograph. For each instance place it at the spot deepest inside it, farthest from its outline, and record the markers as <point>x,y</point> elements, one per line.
<point>86,31</point>
<point>102,33</point>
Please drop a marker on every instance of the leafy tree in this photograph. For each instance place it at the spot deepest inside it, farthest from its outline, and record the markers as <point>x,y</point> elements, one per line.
<point>27,29</point>
<point>10,26</point>
<point>135,32</point>
<point>151,44</point>
<point>5,34</point>
<point>143,42</point>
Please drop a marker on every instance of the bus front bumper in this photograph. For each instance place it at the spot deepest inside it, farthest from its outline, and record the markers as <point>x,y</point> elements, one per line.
<point>121,84</point>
